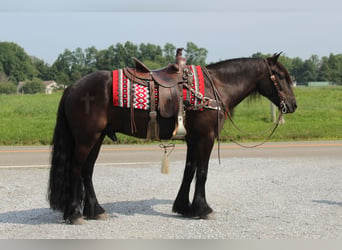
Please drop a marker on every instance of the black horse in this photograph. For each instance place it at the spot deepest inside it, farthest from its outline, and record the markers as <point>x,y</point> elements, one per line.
<point>86,115</point>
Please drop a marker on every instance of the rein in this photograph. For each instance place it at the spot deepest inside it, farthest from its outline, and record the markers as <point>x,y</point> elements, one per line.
<point>227,113</point>
<point>273,78</point>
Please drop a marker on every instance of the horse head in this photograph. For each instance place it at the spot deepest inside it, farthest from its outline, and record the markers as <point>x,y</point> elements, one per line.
<point>277,85</point>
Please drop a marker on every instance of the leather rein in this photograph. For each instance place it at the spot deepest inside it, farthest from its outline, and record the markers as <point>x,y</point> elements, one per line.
<point>226,111</point>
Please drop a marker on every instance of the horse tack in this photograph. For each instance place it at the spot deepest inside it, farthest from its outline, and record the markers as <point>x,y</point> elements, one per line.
<point>78,136</point>
<point>166,77</point>
<point>170,82</point>
<point>273,78</point>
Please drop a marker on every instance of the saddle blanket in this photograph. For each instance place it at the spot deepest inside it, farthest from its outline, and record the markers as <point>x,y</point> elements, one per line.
<point>122,88</point>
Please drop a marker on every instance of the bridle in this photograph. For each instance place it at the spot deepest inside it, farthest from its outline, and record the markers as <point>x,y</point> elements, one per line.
<point>273,78</point>
<point>225,109</point>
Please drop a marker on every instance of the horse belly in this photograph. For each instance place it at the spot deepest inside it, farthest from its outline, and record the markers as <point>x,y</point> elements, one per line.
<point>119,120</point>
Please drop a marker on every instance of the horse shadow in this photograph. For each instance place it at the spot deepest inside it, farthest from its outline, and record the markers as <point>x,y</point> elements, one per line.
<point>40,216</point>
<point>130,208</point>
<point>327,202</point>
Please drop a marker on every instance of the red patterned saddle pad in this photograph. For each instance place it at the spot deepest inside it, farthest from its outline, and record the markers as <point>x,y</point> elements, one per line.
<point>122,88</point>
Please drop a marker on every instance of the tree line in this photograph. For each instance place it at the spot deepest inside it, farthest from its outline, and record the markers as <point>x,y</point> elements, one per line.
<point>313,69</point>
<point>16,65</point>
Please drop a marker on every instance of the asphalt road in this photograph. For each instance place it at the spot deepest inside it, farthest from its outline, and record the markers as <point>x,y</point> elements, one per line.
<point>121,155</point>
<point>277,191</point>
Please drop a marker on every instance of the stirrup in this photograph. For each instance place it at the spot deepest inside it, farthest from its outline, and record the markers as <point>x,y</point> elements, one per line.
<point>180,131</point>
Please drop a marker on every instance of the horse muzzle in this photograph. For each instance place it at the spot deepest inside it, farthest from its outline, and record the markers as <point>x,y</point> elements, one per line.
<point>288,106</point>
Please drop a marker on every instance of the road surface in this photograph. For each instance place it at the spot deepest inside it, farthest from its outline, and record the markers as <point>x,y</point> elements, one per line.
<point>278,191</point>
<point>121,155</point>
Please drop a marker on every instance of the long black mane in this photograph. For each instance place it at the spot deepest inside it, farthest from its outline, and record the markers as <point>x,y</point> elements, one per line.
<point>235,69</point>
<point>232,64</point>
<point>245,65</point>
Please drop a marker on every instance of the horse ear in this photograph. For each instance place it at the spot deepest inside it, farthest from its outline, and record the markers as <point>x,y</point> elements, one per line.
<point>274,58</point>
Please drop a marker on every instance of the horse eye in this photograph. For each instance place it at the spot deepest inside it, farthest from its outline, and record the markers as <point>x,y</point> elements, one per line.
<point>280,76</point>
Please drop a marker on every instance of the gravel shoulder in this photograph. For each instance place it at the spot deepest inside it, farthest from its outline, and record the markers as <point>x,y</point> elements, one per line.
<point>296,197</point>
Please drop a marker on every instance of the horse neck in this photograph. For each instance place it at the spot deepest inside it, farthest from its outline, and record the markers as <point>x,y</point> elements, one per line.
<point>236,79</point>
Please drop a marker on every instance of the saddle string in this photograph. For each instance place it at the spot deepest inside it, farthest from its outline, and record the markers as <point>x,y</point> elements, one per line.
<point>165,161</point>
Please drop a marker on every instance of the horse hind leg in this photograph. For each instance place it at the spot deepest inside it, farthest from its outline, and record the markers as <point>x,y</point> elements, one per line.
<point>92,208</point>
<point>72,210</point>
<point>80,186</point>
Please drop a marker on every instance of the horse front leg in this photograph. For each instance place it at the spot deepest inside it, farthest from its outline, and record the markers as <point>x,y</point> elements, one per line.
<point>199,206</point>
<point>198,155</point>
<point>182,203</point>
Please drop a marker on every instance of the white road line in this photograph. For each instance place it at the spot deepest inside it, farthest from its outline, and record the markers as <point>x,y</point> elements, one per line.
<point>97,164</point>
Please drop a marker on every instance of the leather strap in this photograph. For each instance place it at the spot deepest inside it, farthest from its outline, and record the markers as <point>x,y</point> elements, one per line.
<point>153,96</point>
<point>153,127</point>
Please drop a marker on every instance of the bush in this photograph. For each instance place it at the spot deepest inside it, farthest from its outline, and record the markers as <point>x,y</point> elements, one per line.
<point>33,87</point>
<point>7,88</point>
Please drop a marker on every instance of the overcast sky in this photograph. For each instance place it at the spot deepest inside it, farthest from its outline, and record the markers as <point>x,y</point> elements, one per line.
<point>227,29</point>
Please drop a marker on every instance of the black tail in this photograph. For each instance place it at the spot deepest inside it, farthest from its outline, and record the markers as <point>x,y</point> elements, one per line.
<point>62,150</point>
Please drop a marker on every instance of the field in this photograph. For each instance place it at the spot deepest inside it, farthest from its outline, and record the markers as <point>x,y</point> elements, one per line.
<point>318,117</point>
<point>30,119</point>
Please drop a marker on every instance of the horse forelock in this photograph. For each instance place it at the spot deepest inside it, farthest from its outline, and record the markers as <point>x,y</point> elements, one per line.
<point>284,69</point>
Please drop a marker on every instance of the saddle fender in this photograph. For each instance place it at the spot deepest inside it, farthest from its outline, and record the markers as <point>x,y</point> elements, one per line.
<point>169,101</point>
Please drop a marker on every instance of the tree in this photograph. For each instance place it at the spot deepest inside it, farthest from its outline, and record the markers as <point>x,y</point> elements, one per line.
<point>15,63</point>
<point>260,55</point>
<point>308,71</point>
<point>331,68</point>
<point>104,59</point>
<point>120,57</point>
<point>169,52</point>
<point>149,52</point>
<point>90,60</point>
<point>63,78</point>
<point>131,50</point>
<point>43,70</point>
<point>297,64</point>
<point>7,88</point>
<point>34,86</point>
<point>286,61</point>
<point>195,55</point>
<point>63,65</point>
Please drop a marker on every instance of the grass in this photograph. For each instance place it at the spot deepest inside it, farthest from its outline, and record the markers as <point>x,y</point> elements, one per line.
<point>30,119</point>
<point>318,117</point>
<point>27,119</point>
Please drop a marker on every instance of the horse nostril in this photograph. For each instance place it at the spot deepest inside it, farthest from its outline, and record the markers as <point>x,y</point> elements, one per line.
<point>294,104</point>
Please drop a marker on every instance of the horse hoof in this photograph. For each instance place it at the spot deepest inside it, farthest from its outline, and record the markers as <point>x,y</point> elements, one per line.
<point>78,221</point>
<point>210,216</point>
<point>103,216</point>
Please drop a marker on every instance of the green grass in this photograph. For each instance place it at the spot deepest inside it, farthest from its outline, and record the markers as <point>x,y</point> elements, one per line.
<point>27,119</point>
<point>30,119</point>
<point>318,117</point>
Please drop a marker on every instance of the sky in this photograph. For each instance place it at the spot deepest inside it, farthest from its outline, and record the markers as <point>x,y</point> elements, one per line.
<point>227,29</point>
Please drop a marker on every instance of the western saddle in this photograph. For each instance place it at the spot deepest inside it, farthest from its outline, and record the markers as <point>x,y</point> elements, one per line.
<point>169,81</point>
